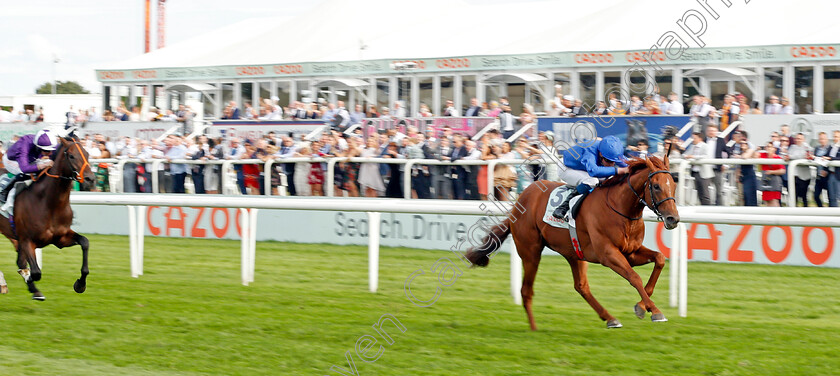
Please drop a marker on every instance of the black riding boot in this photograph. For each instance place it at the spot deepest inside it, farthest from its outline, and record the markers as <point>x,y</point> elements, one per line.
<point>5,193</point>
<point>561,210</point>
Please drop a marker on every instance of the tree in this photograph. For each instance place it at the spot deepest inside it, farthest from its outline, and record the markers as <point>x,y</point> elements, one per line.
<point>62,87</point>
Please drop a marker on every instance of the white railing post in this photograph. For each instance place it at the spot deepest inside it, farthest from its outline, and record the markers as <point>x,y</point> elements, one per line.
<point>683,262</point>
<point>267,171</point>
<point>407,177</point>
<point>683,176</point>
<point>373,250</point>
<point>139,237</point>
<point>246,252</point>
<point>252,243</point>
<point>792,182</point>
<point>515,274</point>
<point>120,168</point>
<point>132,239</point>
<point>674,266</point>
<point>155,178</point>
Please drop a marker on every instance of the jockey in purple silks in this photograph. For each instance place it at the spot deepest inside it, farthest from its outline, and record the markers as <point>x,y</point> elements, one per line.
<point>28,155</point>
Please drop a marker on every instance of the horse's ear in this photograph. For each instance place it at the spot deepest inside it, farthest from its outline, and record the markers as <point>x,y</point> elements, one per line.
<point>649,163</point>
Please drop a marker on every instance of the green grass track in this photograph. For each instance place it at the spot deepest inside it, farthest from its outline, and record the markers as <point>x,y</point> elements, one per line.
<point>189,315</point>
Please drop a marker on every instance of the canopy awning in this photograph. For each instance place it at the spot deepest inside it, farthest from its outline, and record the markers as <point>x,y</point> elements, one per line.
<point>515,78</point>
<point>192,86</point>
<point>721,73</point>
<point>343,83</point>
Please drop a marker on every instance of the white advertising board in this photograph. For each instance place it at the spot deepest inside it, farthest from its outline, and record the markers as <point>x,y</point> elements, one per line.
<point>804,246</point>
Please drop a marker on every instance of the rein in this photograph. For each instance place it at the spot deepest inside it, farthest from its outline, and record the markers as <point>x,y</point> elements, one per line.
<point>652,206</point>
<point>79,176</point>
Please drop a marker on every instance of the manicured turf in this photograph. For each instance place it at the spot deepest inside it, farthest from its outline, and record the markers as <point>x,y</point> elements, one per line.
<point>190,315</point>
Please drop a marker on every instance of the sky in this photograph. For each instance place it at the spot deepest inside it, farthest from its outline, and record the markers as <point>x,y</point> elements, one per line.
<point>85,34</point>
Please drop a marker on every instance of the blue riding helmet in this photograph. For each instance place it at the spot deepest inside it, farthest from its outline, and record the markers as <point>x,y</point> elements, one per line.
<point>611,148</point>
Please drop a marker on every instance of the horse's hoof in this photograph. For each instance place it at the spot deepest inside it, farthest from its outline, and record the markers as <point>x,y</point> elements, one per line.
<point>38,296</point>
<point>658,317</point>
<point>640,313</point>
<point>4,289</point>
<point>614,324</point>
<point>79,286</point>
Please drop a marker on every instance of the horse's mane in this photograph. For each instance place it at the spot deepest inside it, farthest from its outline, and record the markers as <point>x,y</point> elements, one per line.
<point>635,165</point>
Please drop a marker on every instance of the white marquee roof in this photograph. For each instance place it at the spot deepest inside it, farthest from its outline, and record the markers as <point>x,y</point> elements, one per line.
<point>334,30</point>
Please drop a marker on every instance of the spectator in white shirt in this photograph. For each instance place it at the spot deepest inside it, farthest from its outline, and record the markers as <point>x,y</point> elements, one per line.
<point>787,109</point>
<point>701,173</point>
<point>674,105</point>
<point>399,110</point>
<point>700,112</point>
<point>450,109</point>
<point>773,107</point>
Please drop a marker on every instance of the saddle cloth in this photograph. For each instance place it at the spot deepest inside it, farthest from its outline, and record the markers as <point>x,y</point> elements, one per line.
<point>557,196</point>
<point>19,186</point>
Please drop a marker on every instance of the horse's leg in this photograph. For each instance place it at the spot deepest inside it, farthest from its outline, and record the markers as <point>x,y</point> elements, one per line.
<point>71,239</point>
<point>644,256</point>
<point>26,255</point>
<point>530,253</point>
<point>579,268</point>
<point>618,262</point>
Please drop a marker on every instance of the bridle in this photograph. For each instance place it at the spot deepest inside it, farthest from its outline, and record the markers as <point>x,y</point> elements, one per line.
<point>77,175</point>
<point>653,206</point>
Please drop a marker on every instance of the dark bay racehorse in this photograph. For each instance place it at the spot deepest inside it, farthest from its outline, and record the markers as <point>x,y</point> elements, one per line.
<point>609,227</point>
<point>42,213</point>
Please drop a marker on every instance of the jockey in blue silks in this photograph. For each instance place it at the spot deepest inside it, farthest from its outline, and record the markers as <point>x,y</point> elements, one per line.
<point>28,155</point>
<point>586,165</point>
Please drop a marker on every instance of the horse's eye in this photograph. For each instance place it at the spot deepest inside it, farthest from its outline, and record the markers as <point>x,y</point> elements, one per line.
<point>72,156</point>
<point>656,187</point>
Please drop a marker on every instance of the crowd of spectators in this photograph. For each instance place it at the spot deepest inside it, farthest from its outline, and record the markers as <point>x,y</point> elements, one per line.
<point>455,182</point>
<point>309,178</point>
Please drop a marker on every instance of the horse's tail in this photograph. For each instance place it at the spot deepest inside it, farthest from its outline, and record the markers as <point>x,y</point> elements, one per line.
<point>480,255</point>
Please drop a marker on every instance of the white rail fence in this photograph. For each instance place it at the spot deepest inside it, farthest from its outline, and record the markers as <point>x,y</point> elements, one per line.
<point>682,167</point>
<point>816,217</point>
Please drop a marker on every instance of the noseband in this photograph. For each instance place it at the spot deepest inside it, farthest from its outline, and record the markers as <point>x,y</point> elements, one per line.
<point>653,206</point>
<point>77,175</point>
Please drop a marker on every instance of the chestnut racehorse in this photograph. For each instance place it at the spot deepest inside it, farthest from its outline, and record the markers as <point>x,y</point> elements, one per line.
<point>42,214</point>
<point>609,227</point>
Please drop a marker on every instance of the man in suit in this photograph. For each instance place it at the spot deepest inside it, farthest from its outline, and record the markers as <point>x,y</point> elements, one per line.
<point>716,148</point>
<point>288,150</point>
<point>235,114</point>
<point>299,112</point>
<point>474,108</point>
<point>820,152</point>
<point>473,154</point>
<point>834,176</point>
<point>440,174</point>
<point>700,112</point>
<point>457,173</point>
<point>577,109</point>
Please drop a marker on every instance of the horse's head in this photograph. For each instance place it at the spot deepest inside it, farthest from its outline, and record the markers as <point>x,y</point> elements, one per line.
<point>71,162</point>
<point>659,195</point>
